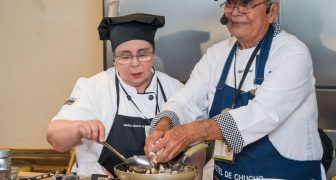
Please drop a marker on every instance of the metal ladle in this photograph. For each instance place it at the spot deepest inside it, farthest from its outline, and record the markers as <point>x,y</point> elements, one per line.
<point>134,160</point>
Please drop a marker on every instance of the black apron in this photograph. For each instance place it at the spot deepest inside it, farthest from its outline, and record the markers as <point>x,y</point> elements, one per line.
<point>127,134</point>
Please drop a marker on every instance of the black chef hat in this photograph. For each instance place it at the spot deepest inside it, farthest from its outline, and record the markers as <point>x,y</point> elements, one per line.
<point>130,27</point>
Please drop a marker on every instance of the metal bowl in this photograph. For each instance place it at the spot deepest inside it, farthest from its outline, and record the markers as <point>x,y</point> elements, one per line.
<point>188,173</point>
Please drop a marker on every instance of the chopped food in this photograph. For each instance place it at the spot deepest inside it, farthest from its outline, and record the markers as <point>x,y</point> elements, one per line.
<point>154,156</point>
<point>163,168</point>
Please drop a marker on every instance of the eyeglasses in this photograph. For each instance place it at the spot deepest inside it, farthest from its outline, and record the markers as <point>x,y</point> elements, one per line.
<point>127,58</point>
<point>243,7</point>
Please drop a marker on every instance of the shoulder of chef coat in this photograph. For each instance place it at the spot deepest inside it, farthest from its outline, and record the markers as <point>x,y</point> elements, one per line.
<point>203,79</point>
<point>169,84</point>
<point>220,50</point>
<point>291,56</point>
<point>214,57</point>
<point>286,45</point>
<point>210,66</point>
<point>82,103</point>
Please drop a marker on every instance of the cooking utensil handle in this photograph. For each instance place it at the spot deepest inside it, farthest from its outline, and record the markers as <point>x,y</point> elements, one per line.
<point>194,150</point>
<point>115,151</point>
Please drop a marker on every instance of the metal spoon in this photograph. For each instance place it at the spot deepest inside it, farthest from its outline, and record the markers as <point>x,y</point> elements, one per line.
<point>137,160</point>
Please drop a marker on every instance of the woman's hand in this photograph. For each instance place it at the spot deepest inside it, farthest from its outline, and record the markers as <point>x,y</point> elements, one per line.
<point>92,130</point>
<point>65,134</point>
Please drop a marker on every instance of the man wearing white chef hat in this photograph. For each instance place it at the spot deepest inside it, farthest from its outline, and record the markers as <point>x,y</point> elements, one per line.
<point>258,90</point>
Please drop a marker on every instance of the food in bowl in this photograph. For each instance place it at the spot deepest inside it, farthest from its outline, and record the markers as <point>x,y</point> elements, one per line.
<point>185,172</point>
<point>169,167</point>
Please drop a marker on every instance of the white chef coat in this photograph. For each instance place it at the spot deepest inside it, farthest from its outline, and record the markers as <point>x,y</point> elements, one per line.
<point>284,108</point>
<point>95,98</point>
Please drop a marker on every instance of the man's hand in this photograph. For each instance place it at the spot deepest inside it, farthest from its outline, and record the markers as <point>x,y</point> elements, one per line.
<point>158,133</point>
<point>178,138</point>
<point>171,142</point>
<point>174,141</point>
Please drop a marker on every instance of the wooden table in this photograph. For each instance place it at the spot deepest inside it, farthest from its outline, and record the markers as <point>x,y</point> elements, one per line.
<point>35,174</point>
<point>30,174</point>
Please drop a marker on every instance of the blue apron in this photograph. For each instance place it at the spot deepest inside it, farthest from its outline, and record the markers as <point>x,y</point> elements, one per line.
<point>259,159</point>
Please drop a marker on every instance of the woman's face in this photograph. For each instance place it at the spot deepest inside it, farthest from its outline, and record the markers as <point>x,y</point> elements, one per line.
<point>249,27</point>
<point>134,72</point>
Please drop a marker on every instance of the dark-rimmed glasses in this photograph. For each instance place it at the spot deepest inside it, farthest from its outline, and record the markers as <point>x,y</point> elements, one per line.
<point>128,58</point>
<point>243,7</point>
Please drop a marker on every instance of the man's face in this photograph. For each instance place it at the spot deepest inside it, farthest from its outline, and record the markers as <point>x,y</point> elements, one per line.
<point>249,26</point>
<point>135,73</point>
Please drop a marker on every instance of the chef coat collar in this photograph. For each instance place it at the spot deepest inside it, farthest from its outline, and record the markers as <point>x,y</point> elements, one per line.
<point>133,91</point>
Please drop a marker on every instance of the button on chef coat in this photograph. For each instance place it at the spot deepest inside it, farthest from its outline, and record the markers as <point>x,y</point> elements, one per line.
<point>95,98</point>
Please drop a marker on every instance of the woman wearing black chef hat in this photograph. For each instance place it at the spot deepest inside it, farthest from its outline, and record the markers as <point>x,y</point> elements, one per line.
<point>116,105</point>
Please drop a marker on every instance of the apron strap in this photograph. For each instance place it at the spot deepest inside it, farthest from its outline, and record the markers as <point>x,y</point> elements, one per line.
<point>263,56</point>
<point>226,68</point>
<point>117,91</point>
<point>247,68</point>
<point>162,91</point>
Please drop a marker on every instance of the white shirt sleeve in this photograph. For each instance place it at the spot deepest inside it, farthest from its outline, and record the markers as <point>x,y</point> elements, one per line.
<point>80,106</point>
<point>192,101</point>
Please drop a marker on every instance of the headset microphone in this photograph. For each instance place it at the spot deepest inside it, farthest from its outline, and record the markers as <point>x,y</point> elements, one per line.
<point>224,20</point>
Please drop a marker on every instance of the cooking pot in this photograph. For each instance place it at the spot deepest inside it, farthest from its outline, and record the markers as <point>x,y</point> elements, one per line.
<point>178,170</point>
<point>187,172</point>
